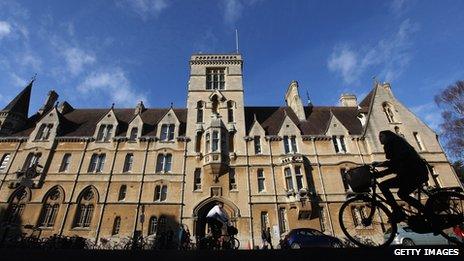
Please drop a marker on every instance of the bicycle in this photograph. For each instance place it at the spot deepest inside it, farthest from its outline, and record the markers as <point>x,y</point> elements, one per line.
<point>367,221</point>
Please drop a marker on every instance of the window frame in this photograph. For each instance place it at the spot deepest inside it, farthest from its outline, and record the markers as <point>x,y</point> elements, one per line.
<point>4,162</point>
<point>261,180</point>
<point>215,78</point>
<point>65,162</point>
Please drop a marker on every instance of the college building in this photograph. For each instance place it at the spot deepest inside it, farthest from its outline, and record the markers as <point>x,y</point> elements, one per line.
<point>116,172</point>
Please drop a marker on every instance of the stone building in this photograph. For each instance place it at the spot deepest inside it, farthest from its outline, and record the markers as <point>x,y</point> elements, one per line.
<point>115,172</point>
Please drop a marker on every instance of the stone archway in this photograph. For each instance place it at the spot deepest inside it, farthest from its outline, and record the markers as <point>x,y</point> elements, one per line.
<point>202,209</point>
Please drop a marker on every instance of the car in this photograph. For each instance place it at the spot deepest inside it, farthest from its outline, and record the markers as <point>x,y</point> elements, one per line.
<point>306,238</point>
<point>407,237</point>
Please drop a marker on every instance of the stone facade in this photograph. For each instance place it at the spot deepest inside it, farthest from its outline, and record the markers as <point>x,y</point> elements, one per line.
<point>111,173</point>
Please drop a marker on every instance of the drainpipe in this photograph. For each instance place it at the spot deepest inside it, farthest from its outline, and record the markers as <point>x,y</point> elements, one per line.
<point>249,193</point>
<point>322,185</point>
<point>141,187</point>
<point>87,140</point>
<point>359,151</point>
<point>184,166</point>
<point>274,182</point>
<point>107,192</point>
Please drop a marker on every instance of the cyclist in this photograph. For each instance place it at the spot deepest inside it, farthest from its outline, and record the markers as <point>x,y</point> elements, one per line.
<point>217,220</point>
<point>410,169</point>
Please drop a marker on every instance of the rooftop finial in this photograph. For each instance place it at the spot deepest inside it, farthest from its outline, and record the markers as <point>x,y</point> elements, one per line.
<point>112,105</point>
<point>236,40</point>
<point>171,104</point>
<point>34,77</point>
<point>308,99</point>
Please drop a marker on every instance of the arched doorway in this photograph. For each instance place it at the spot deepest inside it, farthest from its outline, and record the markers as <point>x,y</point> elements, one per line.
<point>202,209</point>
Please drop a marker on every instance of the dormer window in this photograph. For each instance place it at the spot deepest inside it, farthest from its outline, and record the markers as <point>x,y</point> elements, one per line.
<point>167,132</point>
<point>339,144</point>
<point>215,78</point>
<point>133,134</point>
<point>104,133</point>
<point>44,132</point>
<point>290,144</point>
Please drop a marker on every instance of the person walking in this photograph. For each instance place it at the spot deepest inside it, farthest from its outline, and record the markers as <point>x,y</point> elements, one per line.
<point>268,237</point>
<point>263,238</point>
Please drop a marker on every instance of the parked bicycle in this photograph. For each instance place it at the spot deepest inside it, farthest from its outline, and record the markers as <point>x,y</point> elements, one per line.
<point>367,221</point>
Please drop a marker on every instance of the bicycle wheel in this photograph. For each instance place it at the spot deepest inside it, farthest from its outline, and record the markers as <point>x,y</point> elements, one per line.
<point>366,223</point>
<point>234,243</point>
<point>448,209</point>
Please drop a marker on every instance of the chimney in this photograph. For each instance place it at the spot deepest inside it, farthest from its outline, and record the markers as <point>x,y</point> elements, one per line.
<point>52,97</point>
<point>348,100</point>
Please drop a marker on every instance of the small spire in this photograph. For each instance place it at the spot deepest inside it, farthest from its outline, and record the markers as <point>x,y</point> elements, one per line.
<point>308,99</point>
<point>112,105</point>
<point>56,104</point>
<point>33,78</point>
<point>172,104</point>
<point>254,116</point>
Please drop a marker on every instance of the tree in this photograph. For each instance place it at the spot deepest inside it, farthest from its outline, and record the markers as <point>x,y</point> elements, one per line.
<point>451,101</point>
<point>459,168</point>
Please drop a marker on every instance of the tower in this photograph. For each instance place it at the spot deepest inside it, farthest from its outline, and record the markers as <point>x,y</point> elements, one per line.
<point>14,116</point>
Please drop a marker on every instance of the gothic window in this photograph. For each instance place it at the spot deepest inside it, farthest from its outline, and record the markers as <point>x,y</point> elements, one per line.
<point>152,224</point>
<point>16,206</point>
<point>163,163</point>
<point>215,142</point>
<point>282,220</point>
<point>264,220</point>
<point>4,162</point>
<point>200,111</point>
<point>167,132</point>
<point>116,225</point>
<point>339,144</point>
<point>261,180</point>
<point>343,176</point>
<point>299,177</point>
<point>230,111</point>
<point>388,110</point>
<point>197,179</point>
<point>257,143</point>
<point>122,192</point>
<point>232,181</point>
<point>161,192</point>
<point>290,144</point>
<point>288,178</point>
<point>65,162</point>
<point>419,141</point>
<point>104,133</point>
<point>50,208</point>
<point>231,142</point>
<point>128,162</point>
<point>207,143</point>
<point>133,134</point>
<point>198,142</point>
<point>97,162</point>
<point>85,209</point>
<point>215,78</point>
<point>32,159</point>
<point>44,132</point>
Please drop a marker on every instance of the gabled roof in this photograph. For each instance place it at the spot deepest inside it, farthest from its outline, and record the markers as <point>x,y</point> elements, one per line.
<point>316,123</point>
<point>20,104</point>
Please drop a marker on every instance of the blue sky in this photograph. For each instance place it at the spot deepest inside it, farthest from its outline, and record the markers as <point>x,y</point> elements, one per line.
<point>94,53</point>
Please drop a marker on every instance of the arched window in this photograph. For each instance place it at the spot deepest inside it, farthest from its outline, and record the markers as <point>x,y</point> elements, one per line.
<point>128,162</point>
<point>122,192</point>
<point>207,143</point>
<point>4,162</point>
<point>97,162</point>
<point>16,205</point>
<point>161,192</point>
<point>31,160</point>
<point>85,208</point>
<point>152,225</point>
<point>389,112</point>
<point>230,111</point>
<point>116,225</point>
<point>65,162</point>
<point>200,111</point>
<point>164,163</point>
<point>50,208</point>
<point>133,134</point>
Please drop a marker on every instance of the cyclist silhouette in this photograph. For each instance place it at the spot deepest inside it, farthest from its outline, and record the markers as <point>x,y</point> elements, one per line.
<point>217,219</point>
<point>410,169</point>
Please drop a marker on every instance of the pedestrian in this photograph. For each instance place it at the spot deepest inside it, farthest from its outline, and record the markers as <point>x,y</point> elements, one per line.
<point>263,238</point>
<point>268,237</point>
